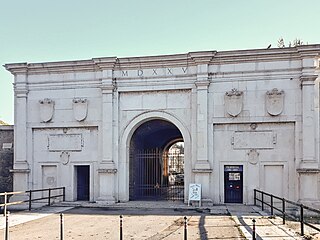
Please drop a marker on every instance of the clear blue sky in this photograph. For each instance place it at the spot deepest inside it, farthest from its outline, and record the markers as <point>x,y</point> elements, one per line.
<point>47,30</point>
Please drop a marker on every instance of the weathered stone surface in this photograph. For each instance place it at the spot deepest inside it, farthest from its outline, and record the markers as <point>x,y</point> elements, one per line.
<point>224,104</point>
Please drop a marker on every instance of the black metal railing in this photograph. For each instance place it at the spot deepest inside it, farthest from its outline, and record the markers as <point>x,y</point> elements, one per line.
<point>52,193</point>
<point>279,206</point>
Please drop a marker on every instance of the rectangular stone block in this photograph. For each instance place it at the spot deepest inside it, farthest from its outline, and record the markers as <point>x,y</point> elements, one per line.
<point>65,142</point>
<point>253,140</point>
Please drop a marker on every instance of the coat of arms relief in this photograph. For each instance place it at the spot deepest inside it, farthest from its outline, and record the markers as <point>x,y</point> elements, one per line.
<point>80,108</point>
<point>46,109</point>
<point>274,102</point>
<point>233,102</point>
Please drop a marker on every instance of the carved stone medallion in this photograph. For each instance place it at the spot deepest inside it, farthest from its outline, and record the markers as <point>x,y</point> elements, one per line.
<point>50,181</point>
<point>46,109</point>
<point>80,109</point>
<point>233,102</point>
<point>64,156</point>
<point>253,156</point>
<point>274,102</point>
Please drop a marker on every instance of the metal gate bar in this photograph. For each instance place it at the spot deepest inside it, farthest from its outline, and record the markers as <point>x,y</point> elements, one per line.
<point>150,179</point>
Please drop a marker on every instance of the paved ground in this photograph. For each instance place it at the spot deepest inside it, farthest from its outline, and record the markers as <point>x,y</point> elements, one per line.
<point>146,220</point>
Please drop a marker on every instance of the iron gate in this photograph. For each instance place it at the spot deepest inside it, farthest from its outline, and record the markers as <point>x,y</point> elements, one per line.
<point>155,175</point>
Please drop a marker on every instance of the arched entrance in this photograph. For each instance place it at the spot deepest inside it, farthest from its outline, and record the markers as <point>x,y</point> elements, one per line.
<point>156,165</point>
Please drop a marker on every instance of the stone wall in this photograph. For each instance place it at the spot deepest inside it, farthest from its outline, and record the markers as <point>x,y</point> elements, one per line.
<point>256,110</point>
<point>6,158</point>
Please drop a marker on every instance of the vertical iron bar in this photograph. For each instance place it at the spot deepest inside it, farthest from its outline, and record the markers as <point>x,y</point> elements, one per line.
<point>121,233</point>
<point>253,229</point>
<point>301,220</point>
<point>6,236</point>
<point>30,199</point>
<point>49,196</point>
<point>140,176</point>
<point>283,211</point>
<point>271,204</point>
<point>262,202</point>
<point>5,204</point>
<point>185,228</point>
<point>255,197</point>
<point>61,227</point>
<point>64,194</point>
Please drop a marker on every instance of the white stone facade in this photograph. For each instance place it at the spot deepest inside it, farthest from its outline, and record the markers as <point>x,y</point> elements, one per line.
<point>254,108</point>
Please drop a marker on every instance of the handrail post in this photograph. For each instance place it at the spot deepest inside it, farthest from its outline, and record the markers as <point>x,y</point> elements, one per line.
<point>253,229</point>
<point>283,211</point>
<point>6,236</point>
<point>255,197</point>
<point>30,199</point>
<point>271,200</point>
<point>301,220</point>
<point>262,201</point>
<point>49,196</point>
<point>185,228</point>
<point>64,194</point>
<point>61,226</point>
<point>5,203</point>
<point>121,233</point>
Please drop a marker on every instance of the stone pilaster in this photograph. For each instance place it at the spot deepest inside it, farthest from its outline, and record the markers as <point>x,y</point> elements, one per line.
<point>202,85</point>
<point>21,166</point>
<point>308,122</point>
<point>202,168</point>
<point>107,169</point>
<point>107,120</point>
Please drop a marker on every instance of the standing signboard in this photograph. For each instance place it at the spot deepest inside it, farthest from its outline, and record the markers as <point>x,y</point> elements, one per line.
<point>194,193</point>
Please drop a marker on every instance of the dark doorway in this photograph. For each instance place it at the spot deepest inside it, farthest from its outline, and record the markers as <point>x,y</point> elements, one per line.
<point>83,182</point>
<point>233,184</point>
<point>156,162</point>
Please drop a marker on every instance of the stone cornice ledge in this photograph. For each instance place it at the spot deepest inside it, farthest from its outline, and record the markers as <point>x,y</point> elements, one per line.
<point>200,57</point>
<point>19,170</point>
<point>105,63</point>
<point>308,78</point>
<point>204,57</point>
<point>17,68</point>
<point>202,170</point>
<point>308,170</point>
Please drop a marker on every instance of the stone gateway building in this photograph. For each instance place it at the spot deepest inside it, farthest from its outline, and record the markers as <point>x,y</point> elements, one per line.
<point>121,129</point>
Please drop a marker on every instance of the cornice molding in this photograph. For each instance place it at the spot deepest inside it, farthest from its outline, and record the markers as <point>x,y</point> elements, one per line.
<point>174,60</point>
<point>203,84</point>
<point>308,170</point>
<point>204,57</point>
<point>17,68</point>
<point>307,79</point>
<point>105,63</point>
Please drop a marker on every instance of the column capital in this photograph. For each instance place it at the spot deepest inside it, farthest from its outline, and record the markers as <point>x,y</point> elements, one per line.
<point>107,85</point>
<point>21,93</point>
<point>202,84</point>
<point>308,79</point>
<point>107,89</point>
